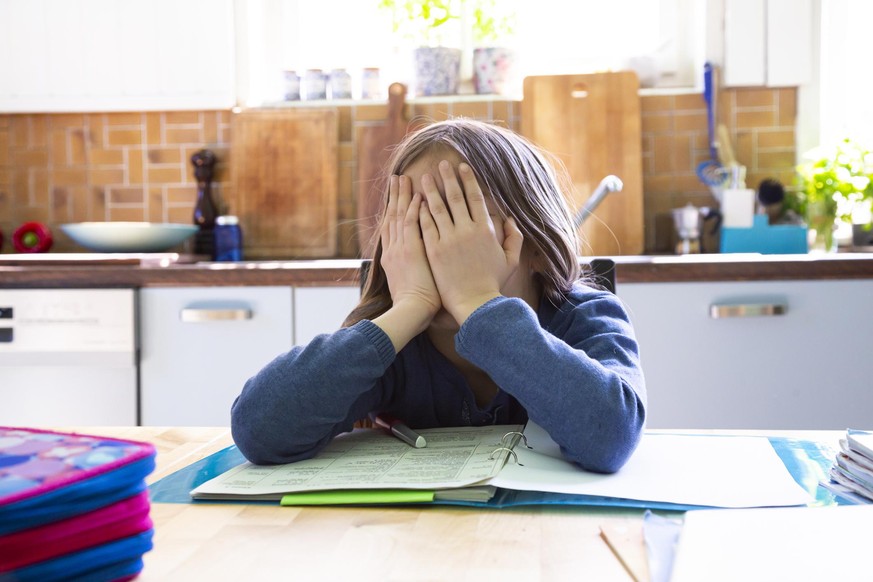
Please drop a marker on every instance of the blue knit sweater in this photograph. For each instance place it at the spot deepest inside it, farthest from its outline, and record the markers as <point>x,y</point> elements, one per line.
<point>573,369</point>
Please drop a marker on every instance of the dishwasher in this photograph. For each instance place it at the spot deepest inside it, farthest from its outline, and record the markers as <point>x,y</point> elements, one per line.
<point>68,357</point>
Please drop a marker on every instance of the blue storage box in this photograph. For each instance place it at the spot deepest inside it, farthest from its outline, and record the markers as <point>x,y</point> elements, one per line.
<point>778,239</point>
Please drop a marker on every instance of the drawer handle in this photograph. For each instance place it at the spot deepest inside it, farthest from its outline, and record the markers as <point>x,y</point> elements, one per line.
<point>205,315</point>
<point>747,310</point>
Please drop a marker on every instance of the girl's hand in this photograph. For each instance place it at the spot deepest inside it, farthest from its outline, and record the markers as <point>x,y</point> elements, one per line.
<point>403,257</point>
<point>469,264</point>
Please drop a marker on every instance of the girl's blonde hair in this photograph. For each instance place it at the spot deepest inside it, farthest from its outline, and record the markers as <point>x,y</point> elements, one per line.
<point>523,183</point>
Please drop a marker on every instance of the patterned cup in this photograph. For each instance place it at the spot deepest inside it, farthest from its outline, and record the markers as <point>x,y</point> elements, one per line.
<point>437,70</point>
<point>493,70</point>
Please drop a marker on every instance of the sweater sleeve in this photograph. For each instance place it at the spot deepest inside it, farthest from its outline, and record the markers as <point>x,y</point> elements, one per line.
<point>580,379</point>
<point>298,402</point>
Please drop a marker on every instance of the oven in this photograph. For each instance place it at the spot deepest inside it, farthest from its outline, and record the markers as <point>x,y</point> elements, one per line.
<point>68,357</point>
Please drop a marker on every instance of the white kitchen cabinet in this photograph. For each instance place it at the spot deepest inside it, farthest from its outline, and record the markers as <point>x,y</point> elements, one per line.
<point>321,310</point>
<point>68,357</point>
<point>105,55</point>
<point>200,345</point>
<point>768,43</point>
<point>808,368</point>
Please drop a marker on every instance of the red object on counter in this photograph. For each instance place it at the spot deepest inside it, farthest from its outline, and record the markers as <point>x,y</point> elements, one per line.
<point>32,237</point>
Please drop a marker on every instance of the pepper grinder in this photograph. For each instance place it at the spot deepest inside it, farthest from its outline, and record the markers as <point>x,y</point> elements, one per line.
<point>205,210</point>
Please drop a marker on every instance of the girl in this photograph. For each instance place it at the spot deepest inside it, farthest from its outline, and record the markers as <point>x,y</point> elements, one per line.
<point>474,313</point>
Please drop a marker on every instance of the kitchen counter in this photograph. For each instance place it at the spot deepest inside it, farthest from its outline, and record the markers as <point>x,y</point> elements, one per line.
<point>344,272</point>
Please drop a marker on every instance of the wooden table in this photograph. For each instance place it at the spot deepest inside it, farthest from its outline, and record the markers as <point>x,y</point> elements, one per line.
<point>246,542</point>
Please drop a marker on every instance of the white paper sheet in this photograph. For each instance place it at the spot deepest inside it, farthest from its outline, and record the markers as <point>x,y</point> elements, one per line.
<point>797,543</point>
<point>715,471</point>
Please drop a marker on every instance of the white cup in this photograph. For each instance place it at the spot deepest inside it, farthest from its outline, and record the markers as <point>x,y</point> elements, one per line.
<point>737,207</point>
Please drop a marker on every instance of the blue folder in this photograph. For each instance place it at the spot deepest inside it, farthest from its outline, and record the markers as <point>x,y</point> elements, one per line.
<point>807,461</point>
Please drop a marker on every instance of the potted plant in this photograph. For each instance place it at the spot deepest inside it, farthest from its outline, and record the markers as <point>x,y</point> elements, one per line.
<point>430,24</point>
<point>836,188</point>
<point>493,64</point>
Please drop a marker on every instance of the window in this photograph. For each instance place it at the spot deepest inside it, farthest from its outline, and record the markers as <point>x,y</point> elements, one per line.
<point>845,83</point>
<point>661,37</point>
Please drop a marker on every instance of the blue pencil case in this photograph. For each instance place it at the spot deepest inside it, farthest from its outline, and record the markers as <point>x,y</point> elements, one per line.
<point>117,560</point>
<point>48,476</point>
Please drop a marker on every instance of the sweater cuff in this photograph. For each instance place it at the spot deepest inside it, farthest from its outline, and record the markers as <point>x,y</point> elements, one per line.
<point>485,310</point>
<point>379,339</point>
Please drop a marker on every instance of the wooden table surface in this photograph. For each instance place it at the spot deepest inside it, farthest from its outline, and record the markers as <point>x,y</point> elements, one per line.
<point>246,542</point>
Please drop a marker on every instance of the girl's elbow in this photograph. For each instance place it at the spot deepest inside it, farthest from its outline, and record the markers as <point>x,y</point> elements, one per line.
<point>608,463</point>
<point>254,450</point>
<point>251,437</point>
<point>609,449</point>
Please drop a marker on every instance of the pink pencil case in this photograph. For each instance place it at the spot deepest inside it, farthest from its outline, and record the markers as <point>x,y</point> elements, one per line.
<point>116,521</point>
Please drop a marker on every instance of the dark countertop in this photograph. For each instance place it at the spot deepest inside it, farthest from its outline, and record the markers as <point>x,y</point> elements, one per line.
<point>743,267</point>
<point>344,272</point>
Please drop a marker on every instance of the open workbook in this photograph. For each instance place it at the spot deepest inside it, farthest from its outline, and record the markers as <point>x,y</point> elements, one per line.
<point>373,466</point>
<point>468,463</point>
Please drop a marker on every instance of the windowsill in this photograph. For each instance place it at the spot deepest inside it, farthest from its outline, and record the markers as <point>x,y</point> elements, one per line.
<point>456,98</point>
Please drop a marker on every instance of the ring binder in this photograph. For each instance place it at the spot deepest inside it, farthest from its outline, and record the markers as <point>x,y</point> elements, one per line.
<point>513,436</point>
<point>508,450</point>
<point>520,434</point>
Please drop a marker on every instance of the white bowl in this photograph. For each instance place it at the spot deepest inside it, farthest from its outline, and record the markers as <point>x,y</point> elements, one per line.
<point>128,237</point>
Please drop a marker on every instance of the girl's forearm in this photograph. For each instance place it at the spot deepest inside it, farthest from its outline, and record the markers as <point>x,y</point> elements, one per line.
<point>404,320</point>
<point>300,400</point>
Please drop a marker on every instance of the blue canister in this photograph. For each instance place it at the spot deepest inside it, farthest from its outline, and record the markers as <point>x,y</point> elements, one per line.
<point>228,239</point>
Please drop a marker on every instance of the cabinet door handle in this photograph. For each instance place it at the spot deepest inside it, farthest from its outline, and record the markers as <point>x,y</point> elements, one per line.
<point>747,310</point>
<point>204,315</point>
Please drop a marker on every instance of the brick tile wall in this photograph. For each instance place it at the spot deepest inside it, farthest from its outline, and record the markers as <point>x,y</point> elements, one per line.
<point>105,166</point>
<point>761,123</point>
<point>136,166</point>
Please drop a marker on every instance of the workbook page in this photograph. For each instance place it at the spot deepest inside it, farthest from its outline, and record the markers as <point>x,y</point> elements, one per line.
<point>373,459</point>
<point>715,471</point>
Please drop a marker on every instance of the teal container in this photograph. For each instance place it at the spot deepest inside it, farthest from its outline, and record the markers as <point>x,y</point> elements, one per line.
<point>777,239</point>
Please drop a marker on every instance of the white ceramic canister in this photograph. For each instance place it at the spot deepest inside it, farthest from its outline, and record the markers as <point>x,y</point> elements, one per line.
<point>340,84</point>
<point>370,87</point>
<point>291,85</point>
<point>314,85</point>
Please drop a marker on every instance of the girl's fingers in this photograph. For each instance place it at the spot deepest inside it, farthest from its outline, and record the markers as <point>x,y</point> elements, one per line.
<point>513,239</point>
<point>404,197</point>
<point>389,224</point>
<point>455,198</point>
<point>475,197</point>
<point>403,200</point>
<point>429,231</point>
<point>411,228</point>
<point>437,209</point>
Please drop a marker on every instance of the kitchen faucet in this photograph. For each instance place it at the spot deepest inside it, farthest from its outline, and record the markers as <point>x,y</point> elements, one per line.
<point>608,184</point>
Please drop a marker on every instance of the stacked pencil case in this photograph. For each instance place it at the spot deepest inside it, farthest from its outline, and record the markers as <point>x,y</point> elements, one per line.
<point>72,506</point>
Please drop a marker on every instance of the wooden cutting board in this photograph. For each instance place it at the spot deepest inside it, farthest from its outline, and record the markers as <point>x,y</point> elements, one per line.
<point>592,124</point>
<point>375,145</point>
<point>284,169</point>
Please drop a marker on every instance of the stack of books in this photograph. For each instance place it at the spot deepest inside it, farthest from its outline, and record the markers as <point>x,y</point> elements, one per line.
<point>72,506</point>
<point>852,472</point>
